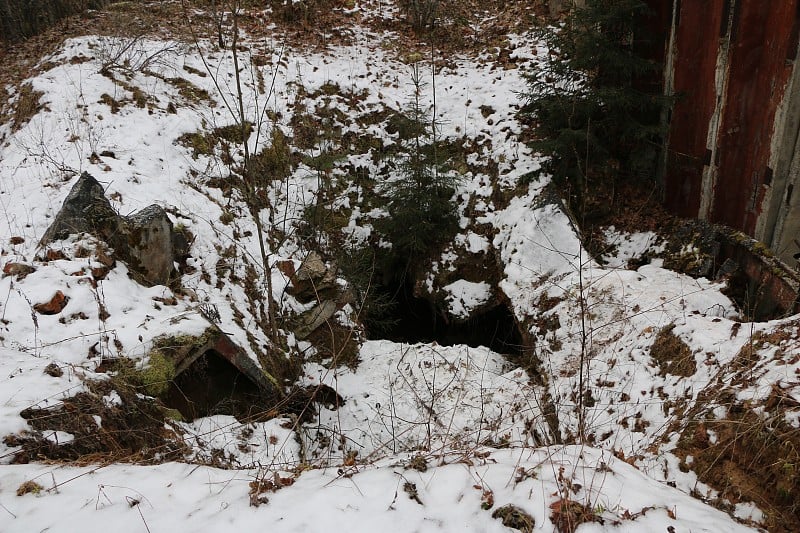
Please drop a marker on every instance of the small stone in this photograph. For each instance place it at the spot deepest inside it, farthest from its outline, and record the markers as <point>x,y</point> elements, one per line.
<point>53,370</point>
<point>54,255</point>
<point>20,270</point>
<point>287,268</point>
<point>313,280</point>
<point>56,304</point>
<point>316,317</point>
<point>100,273</point>
<point>104,256</point>
<point>313,268</point>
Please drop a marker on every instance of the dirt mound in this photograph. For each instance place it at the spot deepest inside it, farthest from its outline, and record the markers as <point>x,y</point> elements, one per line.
<point>752,453</point>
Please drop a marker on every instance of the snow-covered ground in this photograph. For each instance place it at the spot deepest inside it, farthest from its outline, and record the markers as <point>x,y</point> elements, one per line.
<point>430,438</point>
<point>456,492</point>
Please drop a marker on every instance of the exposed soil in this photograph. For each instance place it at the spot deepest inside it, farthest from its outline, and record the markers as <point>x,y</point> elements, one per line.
<point>336,344</point>
<point>132,429</point>
<point>752,459</point>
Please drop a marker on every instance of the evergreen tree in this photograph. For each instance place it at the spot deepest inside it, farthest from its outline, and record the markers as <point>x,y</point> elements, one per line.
<point>421,212</point>
<point>594,115</point>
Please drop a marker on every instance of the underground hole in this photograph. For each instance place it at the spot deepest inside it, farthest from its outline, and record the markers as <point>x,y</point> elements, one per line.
<point>213,386</point>
<point>412,320</point>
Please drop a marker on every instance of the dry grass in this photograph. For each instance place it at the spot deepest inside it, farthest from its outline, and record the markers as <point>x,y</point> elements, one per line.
<point>672,354</point>
<point>513,517</point>
<point>133,431</point>
<point>27,105</point>
<point>29,487</point>
<point>751,459</point>
<point>568,514</point>
<point>753,453</point>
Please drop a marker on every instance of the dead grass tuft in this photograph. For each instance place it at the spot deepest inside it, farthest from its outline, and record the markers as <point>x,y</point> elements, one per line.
<point>191,92</point>
<point>515,518</point>
<point>29,487</point>
<point>259,488</point>
<point>27,106</point>
<point>131,430</point>
<point>568,514</point>
<point>672,354</point>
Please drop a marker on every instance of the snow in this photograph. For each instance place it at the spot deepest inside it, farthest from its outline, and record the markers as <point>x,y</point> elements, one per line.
<point>405,397</point>
<point>267,444</point>
<point>628,246</point>
<point>476,417</point>
<point>466,296</point>
<point>473,242</point>
<point>59,437</point>
<point>535,243</point>
<point>453,493</point>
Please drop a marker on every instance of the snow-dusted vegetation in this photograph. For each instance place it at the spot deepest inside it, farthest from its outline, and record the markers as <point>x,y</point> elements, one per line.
<point>290,372</point>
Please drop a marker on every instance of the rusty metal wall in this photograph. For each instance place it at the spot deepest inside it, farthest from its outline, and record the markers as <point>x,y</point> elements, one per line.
<point>729,62</point>
<point>758,72</point>
<point>695,50</point>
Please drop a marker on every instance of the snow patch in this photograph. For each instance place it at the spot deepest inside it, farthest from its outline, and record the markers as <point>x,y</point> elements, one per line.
<point>464,297</point>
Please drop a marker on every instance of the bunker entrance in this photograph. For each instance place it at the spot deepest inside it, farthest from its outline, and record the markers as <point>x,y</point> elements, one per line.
<point>411,320</point>
<point>213,386</point>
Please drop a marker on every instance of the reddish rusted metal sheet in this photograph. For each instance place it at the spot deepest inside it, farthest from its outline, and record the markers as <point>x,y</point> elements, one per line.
<point>696,50</point>
<point>761,42</point>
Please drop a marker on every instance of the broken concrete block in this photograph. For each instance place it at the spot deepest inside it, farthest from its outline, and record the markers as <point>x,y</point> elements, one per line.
<point>145,240</point>
<point>149,247</point>
<point>316,317</point>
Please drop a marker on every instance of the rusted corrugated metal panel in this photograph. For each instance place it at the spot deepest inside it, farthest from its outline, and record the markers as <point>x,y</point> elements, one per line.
<point>695,59</point>
<point>761,42</point>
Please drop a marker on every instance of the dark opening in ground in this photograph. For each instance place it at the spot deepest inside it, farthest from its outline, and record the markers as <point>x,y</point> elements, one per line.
<point>413,320</point>
<point>760,285</point>
<point>213,386</point>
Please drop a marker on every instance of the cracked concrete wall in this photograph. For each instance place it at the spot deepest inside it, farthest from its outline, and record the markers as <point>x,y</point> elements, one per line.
<point>780,226</point>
